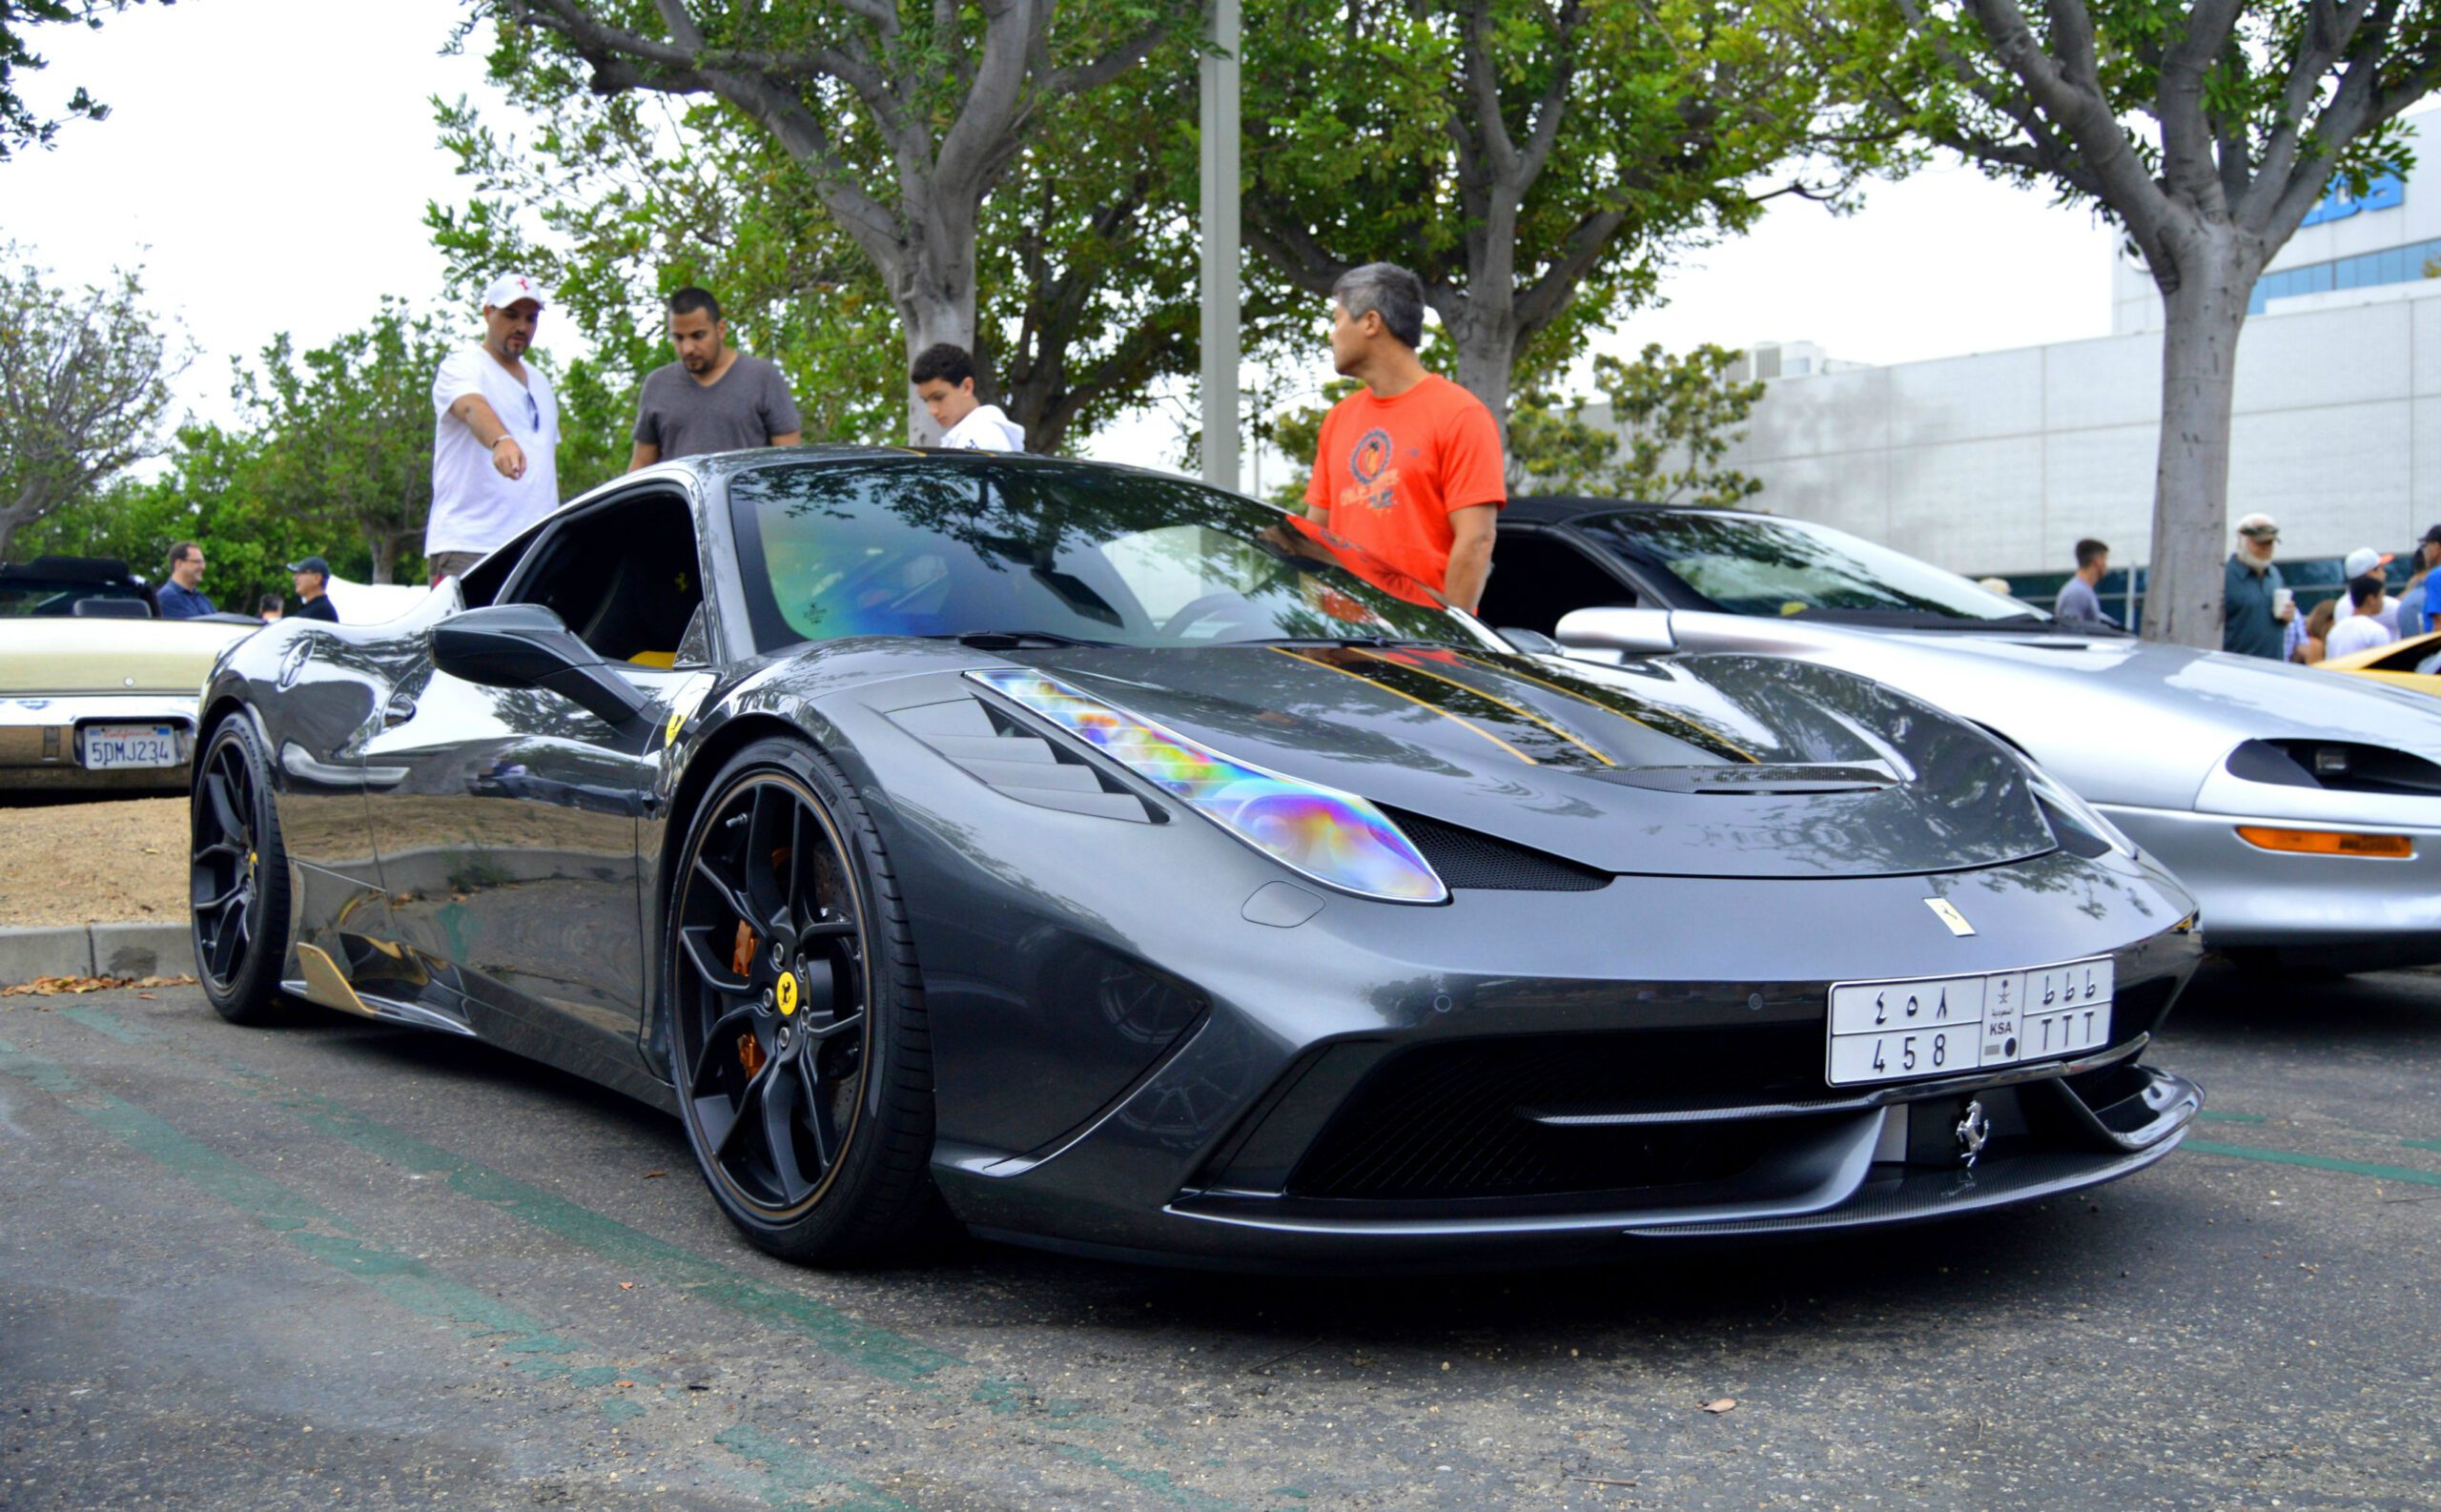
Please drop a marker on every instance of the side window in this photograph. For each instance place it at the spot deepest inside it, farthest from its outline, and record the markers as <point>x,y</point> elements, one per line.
<point>625,578</point>
<point>1535,578</point>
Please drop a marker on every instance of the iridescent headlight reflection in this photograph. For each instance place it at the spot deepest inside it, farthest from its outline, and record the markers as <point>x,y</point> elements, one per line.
<point>1331,836</point>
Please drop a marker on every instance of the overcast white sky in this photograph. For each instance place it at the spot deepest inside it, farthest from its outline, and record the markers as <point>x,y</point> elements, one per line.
<point>268,162</point>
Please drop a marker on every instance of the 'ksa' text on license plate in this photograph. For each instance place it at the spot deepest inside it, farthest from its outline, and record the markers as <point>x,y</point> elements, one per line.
<point>1944,1025</point>
<point>106,746</point>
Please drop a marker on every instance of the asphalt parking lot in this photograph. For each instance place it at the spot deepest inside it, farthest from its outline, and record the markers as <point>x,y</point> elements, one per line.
<point>337,1265</point>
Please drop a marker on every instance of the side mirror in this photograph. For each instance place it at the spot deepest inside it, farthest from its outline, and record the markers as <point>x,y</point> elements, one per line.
<point>1530,642</point>
<point>526,645</point>
<point>1634,630</point>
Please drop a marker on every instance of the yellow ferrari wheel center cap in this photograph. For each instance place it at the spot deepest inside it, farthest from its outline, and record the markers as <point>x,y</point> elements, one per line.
<point>786,993</point>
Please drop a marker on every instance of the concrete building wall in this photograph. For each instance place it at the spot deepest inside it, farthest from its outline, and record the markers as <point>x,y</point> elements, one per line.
<point>2000,461</point>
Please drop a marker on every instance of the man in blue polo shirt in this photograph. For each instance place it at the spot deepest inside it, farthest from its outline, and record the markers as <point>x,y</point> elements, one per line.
<point>179,598</point>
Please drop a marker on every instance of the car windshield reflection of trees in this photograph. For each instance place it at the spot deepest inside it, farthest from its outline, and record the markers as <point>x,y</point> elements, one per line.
<point>1774,568</point>
<point>925,547</point>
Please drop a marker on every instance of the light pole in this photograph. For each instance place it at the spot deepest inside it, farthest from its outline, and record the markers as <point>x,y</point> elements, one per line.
<point>1219,123</point>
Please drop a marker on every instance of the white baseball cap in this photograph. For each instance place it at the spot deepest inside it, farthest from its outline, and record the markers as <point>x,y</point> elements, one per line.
<point>2362,561</point>
<point>509,288</point>
<point>2260,526</point>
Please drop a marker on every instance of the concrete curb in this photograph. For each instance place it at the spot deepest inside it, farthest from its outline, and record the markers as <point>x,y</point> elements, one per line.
<point>94,949</point>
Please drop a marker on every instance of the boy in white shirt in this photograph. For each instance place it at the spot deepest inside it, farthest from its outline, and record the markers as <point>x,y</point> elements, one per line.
<point>2364,629</point>
<point>944,379</point>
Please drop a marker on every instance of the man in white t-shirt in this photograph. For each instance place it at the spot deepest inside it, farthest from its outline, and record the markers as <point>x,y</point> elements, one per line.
<point>944,379</point>
<point>2363,629</point>
<point>495,435</point>
<point>2362,563</point>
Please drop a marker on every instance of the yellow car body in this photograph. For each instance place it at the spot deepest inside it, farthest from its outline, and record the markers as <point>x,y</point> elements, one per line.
<point>103,704</point>
<point>2396,663</point>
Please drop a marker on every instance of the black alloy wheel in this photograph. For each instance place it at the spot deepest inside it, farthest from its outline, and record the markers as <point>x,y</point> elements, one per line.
<point>796,1030</point>
<point>238,878</point>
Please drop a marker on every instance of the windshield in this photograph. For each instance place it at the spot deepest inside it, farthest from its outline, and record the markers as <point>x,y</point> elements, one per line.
<point>935,546</point>
<point>22,598</point>
<point>1775,568</point>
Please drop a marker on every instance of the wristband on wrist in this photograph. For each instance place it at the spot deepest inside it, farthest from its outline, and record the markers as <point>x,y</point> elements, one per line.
<point>501,437</point>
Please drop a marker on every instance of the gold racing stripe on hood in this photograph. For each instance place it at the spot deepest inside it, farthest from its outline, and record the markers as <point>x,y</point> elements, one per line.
<point>1407,663</point>
<point>1377,684</point>
<point>1694,732</point>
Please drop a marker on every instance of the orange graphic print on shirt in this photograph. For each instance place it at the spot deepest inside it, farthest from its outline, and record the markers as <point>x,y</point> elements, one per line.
<point>1388,472</point>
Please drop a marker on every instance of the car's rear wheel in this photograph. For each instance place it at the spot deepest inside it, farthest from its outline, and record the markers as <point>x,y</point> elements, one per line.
<point>238,871</point>
<point>796,1029</point>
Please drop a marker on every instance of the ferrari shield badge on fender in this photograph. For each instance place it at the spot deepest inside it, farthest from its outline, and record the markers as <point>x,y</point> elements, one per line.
<point>1948,914</point>
<point>682,703</point>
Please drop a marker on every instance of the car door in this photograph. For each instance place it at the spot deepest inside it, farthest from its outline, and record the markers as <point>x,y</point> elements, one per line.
<point>1539,575</point>
<point>508,838</point>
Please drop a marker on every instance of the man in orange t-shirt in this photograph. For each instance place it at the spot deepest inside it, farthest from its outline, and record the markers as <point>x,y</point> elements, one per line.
<point>1410,466</point>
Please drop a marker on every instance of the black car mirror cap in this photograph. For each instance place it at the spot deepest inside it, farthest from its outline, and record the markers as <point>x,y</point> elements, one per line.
<point>528,645</point>
<point>1611,629</point>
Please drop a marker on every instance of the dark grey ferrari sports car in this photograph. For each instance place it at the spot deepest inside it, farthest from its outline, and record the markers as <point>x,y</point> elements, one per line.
<point>1124,866</point>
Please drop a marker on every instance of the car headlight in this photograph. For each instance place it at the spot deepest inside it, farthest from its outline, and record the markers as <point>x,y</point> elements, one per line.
<point>2062,807</point>
<point>1333,837</point>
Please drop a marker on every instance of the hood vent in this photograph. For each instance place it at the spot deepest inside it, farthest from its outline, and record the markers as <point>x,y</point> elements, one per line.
<point>1017,763</point>
<point>1734,781</point>
<point>1466,858</point>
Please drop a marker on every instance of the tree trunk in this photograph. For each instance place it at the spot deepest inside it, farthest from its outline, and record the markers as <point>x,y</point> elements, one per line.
<point>385,556</point>
<point>2207,309</point>
<point>934,287</point>
<point>1487,343</point>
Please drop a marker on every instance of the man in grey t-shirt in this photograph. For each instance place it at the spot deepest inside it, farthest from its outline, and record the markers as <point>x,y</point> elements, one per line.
<point>2078,606</point>
<point>714,399</point>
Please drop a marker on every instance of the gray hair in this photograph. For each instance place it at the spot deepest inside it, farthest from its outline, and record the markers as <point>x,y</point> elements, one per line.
<point>1387,288</point>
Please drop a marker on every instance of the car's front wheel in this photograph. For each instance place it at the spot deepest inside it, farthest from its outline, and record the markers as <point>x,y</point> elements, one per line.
<point>238,878</point>
<point>796,1030</point>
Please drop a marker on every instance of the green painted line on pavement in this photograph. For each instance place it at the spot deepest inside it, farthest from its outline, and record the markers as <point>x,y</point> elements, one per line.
<point>1156,1481</point>
<point>2290,1157</point>
<point>110,1024</point>
<point>879,1351</point>
<point>2422,1144</point>
<point>793,1473</point>
<point>2213,1116</point>
<point>399,1279</point>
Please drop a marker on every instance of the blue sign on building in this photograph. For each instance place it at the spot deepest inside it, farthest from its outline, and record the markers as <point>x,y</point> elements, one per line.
<point>2384,192</point>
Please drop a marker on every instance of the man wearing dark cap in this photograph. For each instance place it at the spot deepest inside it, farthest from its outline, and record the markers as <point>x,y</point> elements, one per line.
<point>2416,603</point>
<point>312,575</point>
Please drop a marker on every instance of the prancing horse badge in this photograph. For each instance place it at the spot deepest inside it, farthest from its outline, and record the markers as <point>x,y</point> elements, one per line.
<point>1950,915</point>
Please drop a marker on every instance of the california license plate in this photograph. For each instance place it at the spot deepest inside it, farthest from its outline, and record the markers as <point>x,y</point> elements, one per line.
<point>1947,1026</point>
<point>105,747</point>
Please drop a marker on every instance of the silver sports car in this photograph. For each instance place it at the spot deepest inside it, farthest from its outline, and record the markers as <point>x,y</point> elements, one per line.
<point>2303,811</point>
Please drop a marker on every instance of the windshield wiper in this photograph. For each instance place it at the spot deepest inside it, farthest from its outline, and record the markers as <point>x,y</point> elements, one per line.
<point>1012,640</point>
<point>1336,640</point>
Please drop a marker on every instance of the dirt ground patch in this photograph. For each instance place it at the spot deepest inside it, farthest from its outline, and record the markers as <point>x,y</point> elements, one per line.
<point>115,861</point>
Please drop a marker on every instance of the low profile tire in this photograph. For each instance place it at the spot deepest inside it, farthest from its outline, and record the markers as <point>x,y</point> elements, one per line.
<point>796,1030</point>
<point>237,890</point>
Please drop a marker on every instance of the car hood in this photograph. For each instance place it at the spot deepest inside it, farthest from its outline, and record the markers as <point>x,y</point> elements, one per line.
<point>1722,766</point>
<point>2122,721</point>
<point>112,655</point>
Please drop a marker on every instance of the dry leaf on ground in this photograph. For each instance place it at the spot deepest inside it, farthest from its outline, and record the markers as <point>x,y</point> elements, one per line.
<point>1720,1404</point>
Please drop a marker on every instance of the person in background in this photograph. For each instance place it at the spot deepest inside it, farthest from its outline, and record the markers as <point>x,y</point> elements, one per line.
<point>714,398</point>
<point>495,435</point>
<point>2366,562</point>
<point>2253,609</point>
<point>1410,466</point>
<point>2078,604</point>
<point>269,607</point>
<point>179,598</point>
<point>944,379</point>
<point>2415,600</point>
<point>2313,635</point>
<point>1998,586</point>
<point>2366,628</point>
<point>312,577</point>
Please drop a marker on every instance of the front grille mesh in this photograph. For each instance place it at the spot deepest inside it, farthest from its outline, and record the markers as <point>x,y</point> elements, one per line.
<point>1443,1121</point>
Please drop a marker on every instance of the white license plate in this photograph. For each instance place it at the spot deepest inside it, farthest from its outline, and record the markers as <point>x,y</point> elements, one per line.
<point>107,746</point>
<point>1946,1025</point>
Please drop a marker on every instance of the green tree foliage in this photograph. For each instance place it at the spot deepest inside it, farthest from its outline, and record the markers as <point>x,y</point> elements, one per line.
<point>84,390</point>
<point>1671,420</point>
<point>2205,131</point>
<point>1535,161</point>
<point>900,120</point>
<point>23,124</point>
